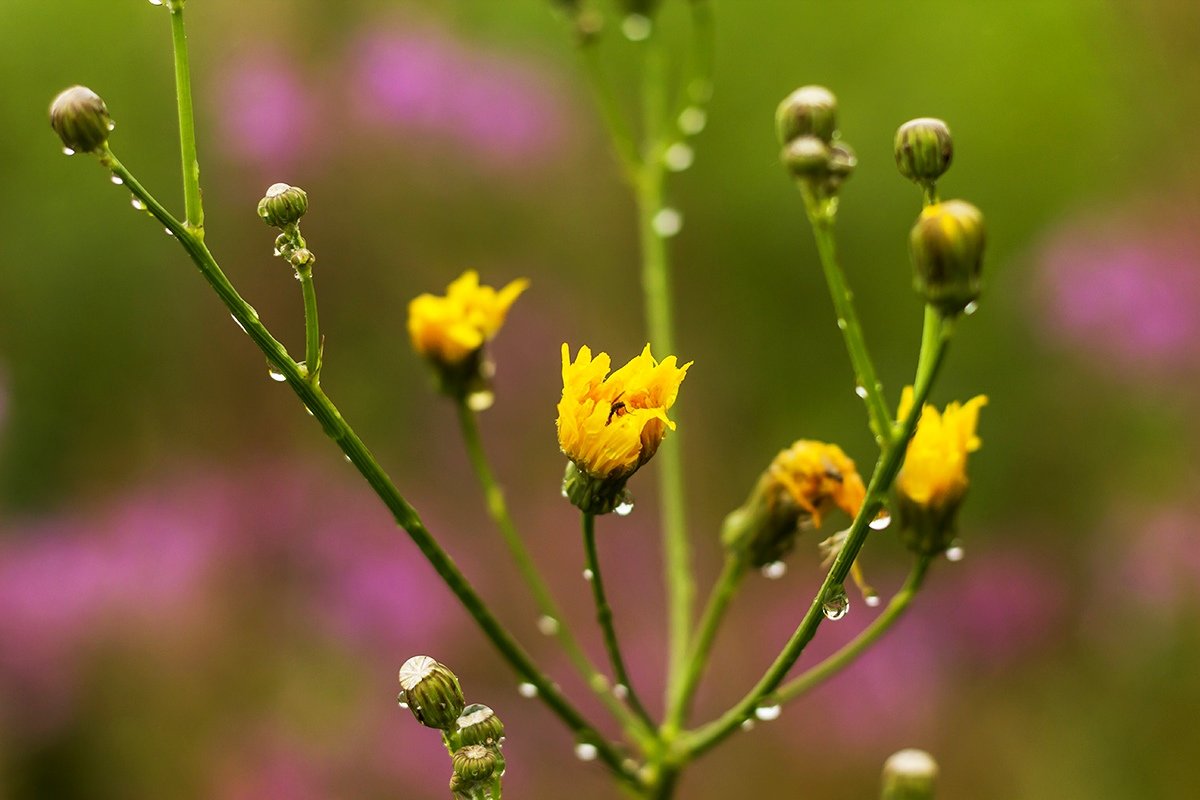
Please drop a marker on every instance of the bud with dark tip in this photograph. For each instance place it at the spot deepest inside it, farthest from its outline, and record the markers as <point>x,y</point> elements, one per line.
<point>947,252</point>
<point>808,111</point>
<point>806,157</point>
<point>81,120</point>
<point>909,775</point>
<point>478,724</point>
<point>474,767</point>
<point>924,150</point>
<point>283,205</point>
<point>431,692</point>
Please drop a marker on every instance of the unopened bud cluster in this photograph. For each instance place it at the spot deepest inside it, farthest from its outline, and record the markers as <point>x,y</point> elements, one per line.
<point>282,207</point>
<point>813,152</point>
<point>81,120</point>
<point>472,734</point>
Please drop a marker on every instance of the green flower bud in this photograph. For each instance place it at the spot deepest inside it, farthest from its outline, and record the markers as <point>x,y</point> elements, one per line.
<point>947,252</point>
<point>909,775</point>
<point>806,157</point>
<point>595,495</point>
<point>842,162</point>
<point>808,111</point>
<point>478,724</point>
<point>924,150</point>
<point>283,205</point>
<point>474,765</point>
<point>81,120</point>
<point>431,692</point>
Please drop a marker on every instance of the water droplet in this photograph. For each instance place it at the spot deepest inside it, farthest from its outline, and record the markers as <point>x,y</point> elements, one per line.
<point>861,391</point>
<point>679,157</point>
<point>138,204</point>
<point>586,751</point>
<point>970,308</point>
<point>768,713</point>
<point>692,120</point>
<point>168,232</point>
<point>156,2</point>
<point>873,600</point>
<point>112,126</point>
<point>563,491</point>
<point>238,322</point>
<point>117,180</point>
<point>748,725</point>
<point>527,690</point>
<point>347,459</point>
<point>68,151</point>
<point>547,624</point>
<point>667,222</point>
<point>620,691</point>
<point>402,699</point>
<point>775,570</point>
<point>624,505</point>
<point>588,575</point>
<point>881,522</point>
<point>637,27</point>
<point>274,374</point>
<point>630,766</point>
<point>481,400</point>
<point>842,324</point>
<point>955,551</point>
<point>836,603</point>
<point>277,252</point>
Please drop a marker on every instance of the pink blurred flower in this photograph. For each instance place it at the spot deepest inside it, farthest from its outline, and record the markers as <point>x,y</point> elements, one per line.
<point>265,111</point>
<point>1125,291</point>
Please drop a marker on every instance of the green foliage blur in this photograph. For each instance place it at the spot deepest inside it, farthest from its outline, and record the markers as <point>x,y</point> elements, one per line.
<point>118,366</point>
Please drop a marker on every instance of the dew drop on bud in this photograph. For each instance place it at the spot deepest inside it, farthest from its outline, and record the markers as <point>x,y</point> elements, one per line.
<point>547,624</point>
<point>68,151</point>
<point>970,308</point>
<point>882,520</point>
<point>873,600</point>
<point>667,222</point>
<point>774,571</point>
<point>625,507</point>
<point>402,699</point>
<point>836,604</point>
<point>955,551</point>
<point>585,751</point>
<point>768,713</point>
<point>527,690</point>
<point>481,400</point>
<point>637,27</point>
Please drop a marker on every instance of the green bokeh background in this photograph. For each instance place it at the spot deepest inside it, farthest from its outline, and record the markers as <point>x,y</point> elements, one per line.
<point>119,365</point>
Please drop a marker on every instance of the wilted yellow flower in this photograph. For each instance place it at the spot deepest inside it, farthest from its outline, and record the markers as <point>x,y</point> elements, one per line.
<point>610,425</point>
<point>933,480</point>
<point>450,329</point>
<point>801,485</point>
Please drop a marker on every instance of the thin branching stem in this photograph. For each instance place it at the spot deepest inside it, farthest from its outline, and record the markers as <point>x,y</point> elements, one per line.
<point>187,125</point>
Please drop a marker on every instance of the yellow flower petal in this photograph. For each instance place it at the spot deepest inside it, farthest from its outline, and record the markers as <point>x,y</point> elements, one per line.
<point>935,467</point>
<point>449,328</point>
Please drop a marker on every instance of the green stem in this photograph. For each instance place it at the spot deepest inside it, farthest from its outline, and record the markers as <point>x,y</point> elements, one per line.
<point>844,657</point>
<point>498,510</point>
<point>870,389</point>
<point>932,355</point>
<point>656,288</point>
<point>347,440</point>
<point>312,331</point>
<point>610,112</point>
<point>604,616</point>
<point>718,602</point>
<point>698,89</point>
<point>187,125</point>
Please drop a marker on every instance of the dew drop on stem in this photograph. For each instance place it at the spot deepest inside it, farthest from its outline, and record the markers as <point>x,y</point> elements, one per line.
<point>768,713</point>
<point>836,604</point>
<point>955,551</point>
<point>527,690</point>
<point>585,751</point>
<point>882,520</point>
<point>547,624</point>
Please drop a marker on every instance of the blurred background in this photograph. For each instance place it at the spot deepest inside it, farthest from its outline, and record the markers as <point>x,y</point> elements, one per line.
<point>199,598</point>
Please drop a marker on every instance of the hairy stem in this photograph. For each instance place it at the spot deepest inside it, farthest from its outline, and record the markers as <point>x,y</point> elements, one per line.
<point>187,125</point>
<point>347,440</point>
<point>497,508</point>
<point>604,616</point>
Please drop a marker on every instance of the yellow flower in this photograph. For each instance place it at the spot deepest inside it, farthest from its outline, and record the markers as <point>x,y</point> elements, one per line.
<point>450,329</point>
<point>933,481</point>
<point>935,468</point>
<point>610,425</point>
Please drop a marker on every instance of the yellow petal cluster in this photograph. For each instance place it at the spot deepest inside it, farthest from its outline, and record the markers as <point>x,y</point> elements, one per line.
<point>818,477</point>
<point>610,425</point>
<point>935,469</point>
<point>449,329</point>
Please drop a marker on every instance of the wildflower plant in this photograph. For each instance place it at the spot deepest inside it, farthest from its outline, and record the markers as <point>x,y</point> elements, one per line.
<point>611,423</point>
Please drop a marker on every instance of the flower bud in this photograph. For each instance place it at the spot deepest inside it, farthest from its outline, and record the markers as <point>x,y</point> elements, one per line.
<point>808,111</point>
<point>432,692</point>
<point>478,724</point>
<point>474,766</point>
<point>283,205</point>
<point>924,150</point>
<point>806,157</point>
<point>842,161</point>
<point>81,120</point>
<point>909,775</point>
<point>947,252</point>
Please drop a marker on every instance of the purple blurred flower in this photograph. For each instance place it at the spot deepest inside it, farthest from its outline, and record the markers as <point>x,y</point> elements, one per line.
<point>270,768</point>
<point>1125,292</point>
<point>264,110</point>
<point>496,108</point>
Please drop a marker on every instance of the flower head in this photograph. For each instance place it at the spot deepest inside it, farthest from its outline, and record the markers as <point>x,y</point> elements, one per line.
<point>610,425</point>
<point>801,485</point>
<point>451,331</point>
<point>933,480</point>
